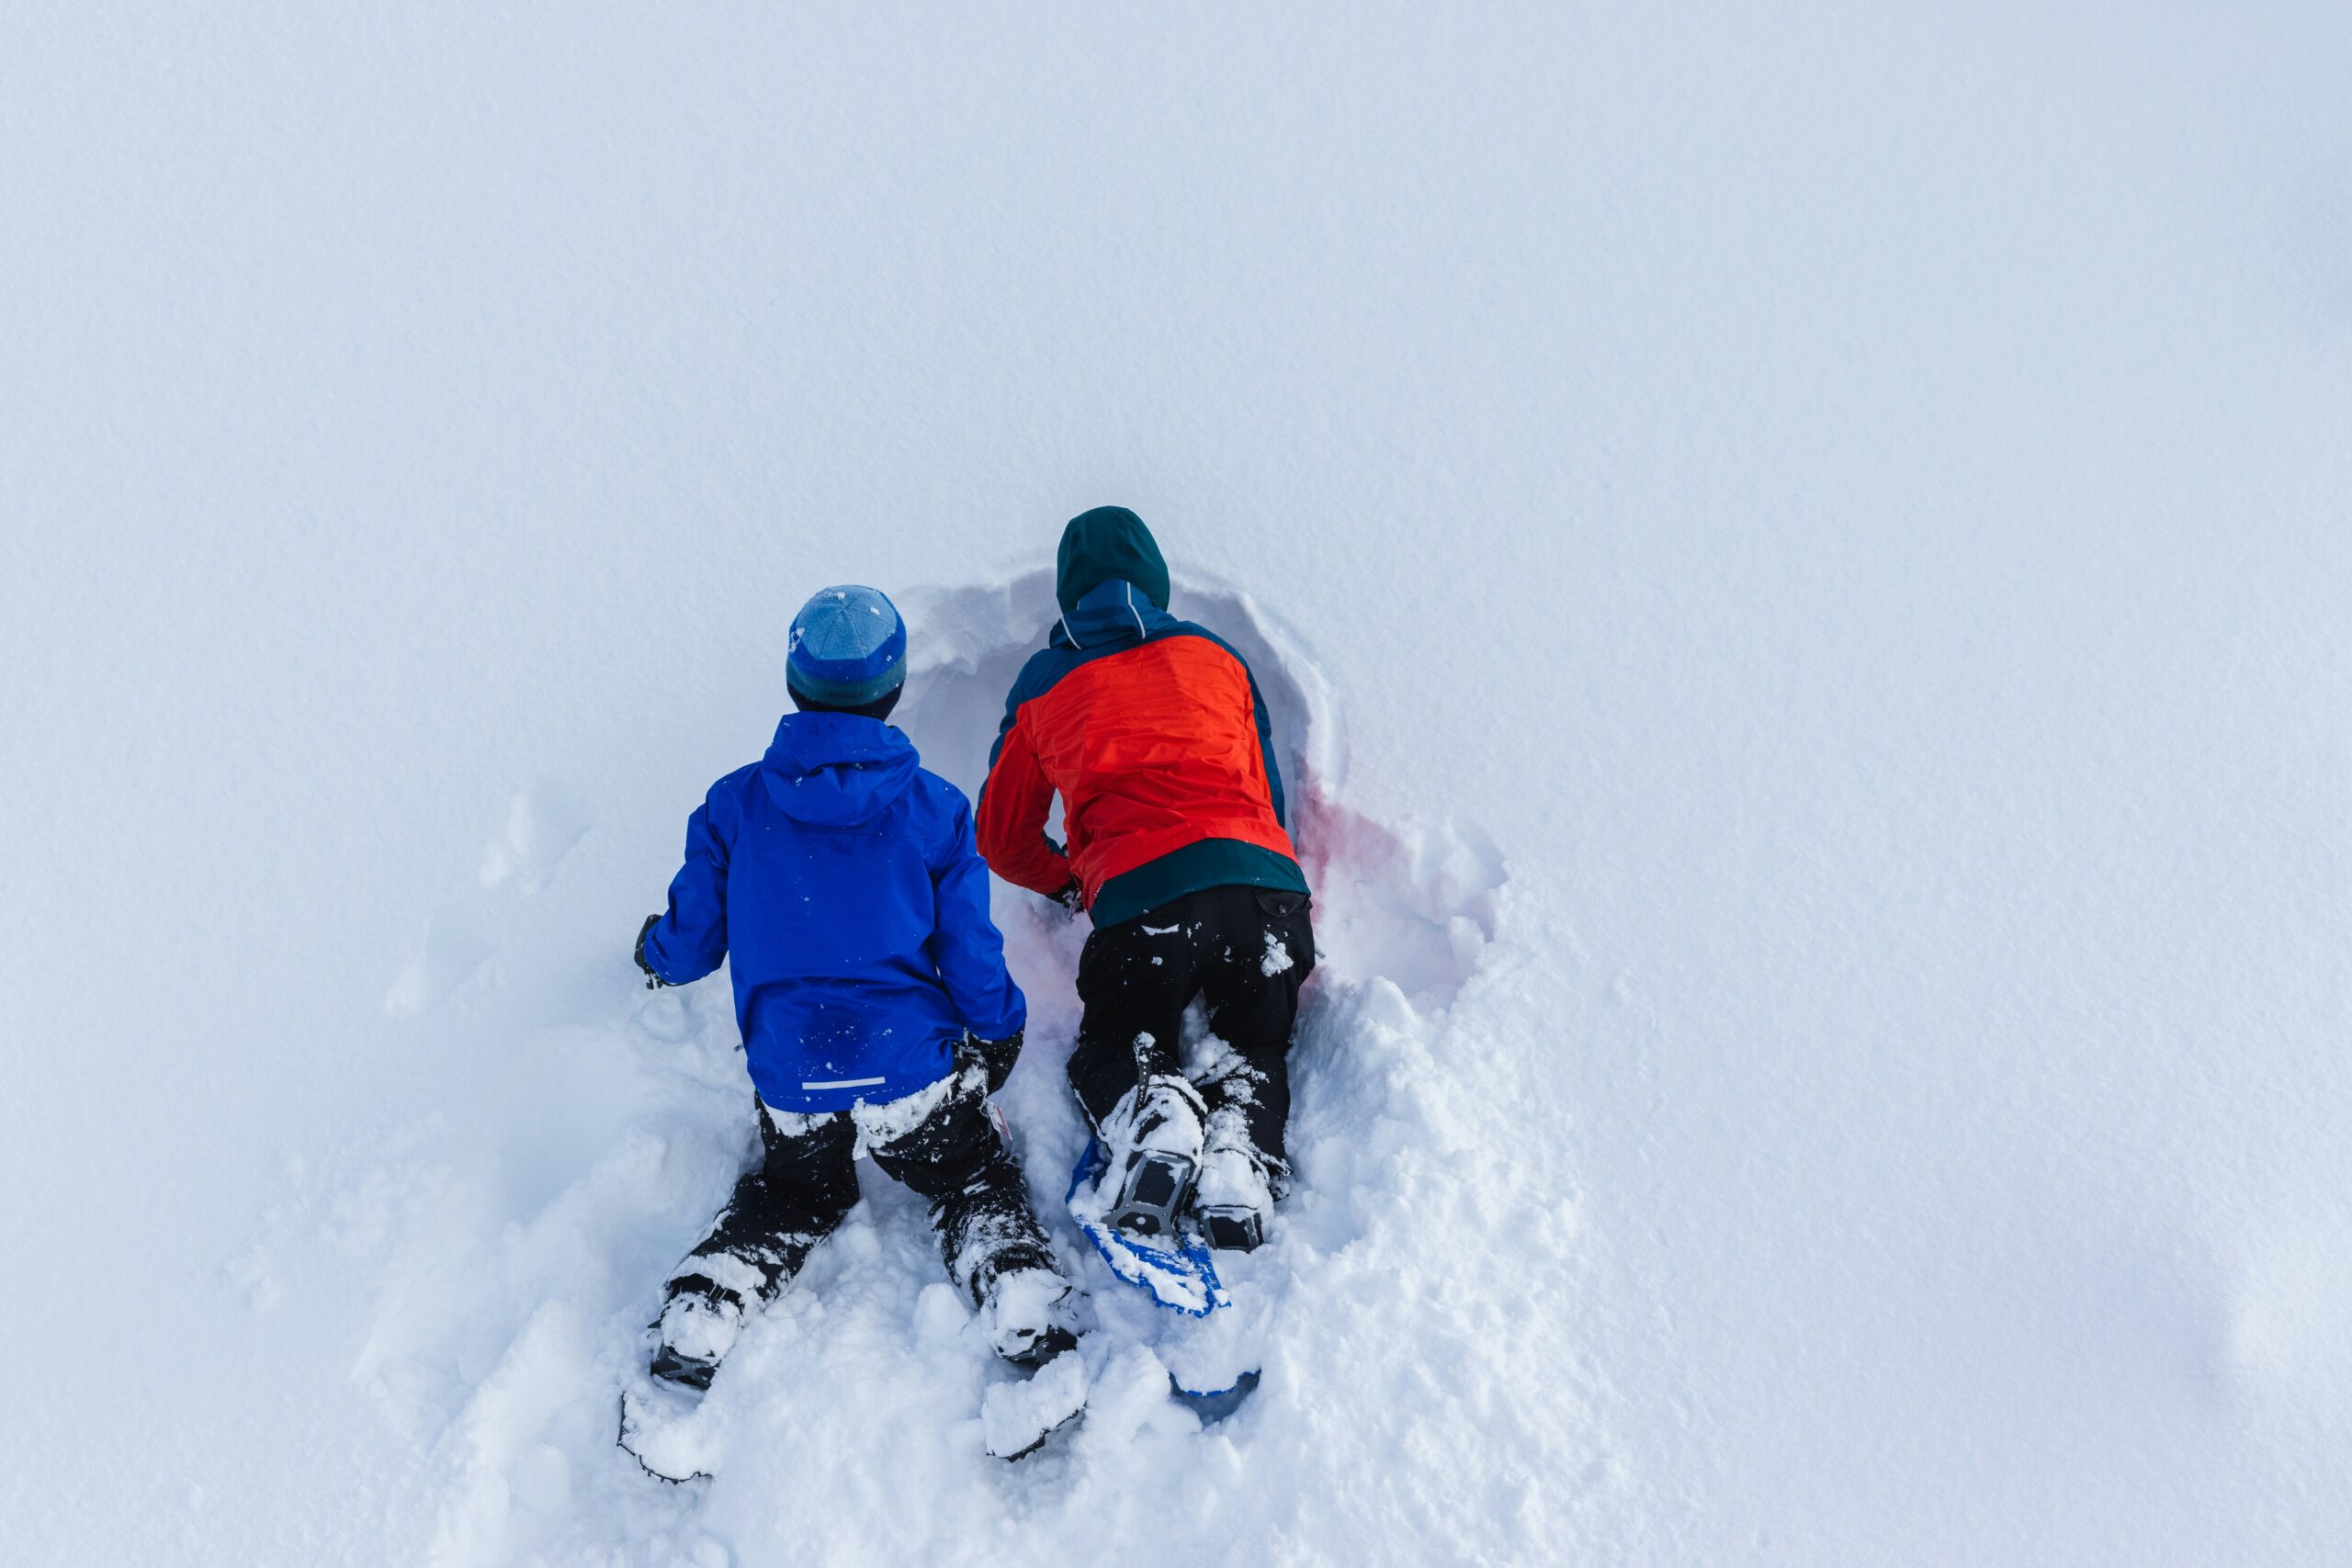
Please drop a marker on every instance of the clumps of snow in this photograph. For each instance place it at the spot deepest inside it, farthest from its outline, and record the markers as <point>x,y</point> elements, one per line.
<point>1023,1304</point>
<point>1163,1114</point>
<point>661,1425</point>
<point>1276,957</point>
<point>1024,1301</point>
<point>893,1120</point>
<point>1017,1415</point>
<point>704,1329</point>
<point>1231,1176</point>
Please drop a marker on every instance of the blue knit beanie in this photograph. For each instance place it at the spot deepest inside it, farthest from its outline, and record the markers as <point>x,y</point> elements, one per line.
<point>849,648</point>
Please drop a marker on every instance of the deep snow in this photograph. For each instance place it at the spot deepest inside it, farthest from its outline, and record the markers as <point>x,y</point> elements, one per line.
<point>1801,555</point>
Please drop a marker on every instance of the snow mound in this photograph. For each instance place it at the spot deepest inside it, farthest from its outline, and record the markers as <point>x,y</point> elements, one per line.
<point>1427,1258</point>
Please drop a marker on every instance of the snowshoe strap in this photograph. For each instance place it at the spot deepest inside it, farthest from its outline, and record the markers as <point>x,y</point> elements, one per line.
<point>705,1287</point>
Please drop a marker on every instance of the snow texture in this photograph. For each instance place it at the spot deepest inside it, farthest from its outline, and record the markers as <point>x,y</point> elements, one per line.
<point>1023,1304</point>
<point>1797,556</point>
<point>661,1429</point>
<point>1016,1416</point>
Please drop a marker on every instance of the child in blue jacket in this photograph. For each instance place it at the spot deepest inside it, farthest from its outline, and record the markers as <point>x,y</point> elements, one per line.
<point>841,879</point>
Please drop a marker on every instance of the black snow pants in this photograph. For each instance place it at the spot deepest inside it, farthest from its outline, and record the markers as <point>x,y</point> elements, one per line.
<point>1245,949</point>
<point>806,1183</point>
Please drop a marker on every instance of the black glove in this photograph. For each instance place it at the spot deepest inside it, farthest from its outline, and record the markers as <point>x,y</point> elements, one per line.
<point>998,1056</point>
<point>1073,897</point>
<point>652,981</point>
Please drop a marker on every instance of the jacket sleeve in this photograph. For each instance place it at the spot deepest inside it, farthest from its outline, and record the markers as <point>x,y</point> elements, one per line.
<point>965,941</point>
<point>690,939</point>
<point>1014,803</point>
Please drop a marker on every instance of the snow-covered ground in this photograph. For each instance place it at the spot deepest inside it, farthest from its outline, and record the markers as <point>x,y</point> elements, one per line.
<point>1798,556</point>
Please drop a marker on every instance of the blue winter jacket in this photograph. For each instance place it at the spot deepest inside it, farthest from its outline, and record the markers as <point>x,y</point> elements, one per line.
<point>842,877</point>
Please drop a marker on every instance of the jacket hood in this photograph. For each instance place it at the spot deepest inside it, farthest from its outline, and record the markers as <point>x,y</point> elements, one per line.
<point>1113,614</point>
<point>1109,543</point>
<point>835,769</point>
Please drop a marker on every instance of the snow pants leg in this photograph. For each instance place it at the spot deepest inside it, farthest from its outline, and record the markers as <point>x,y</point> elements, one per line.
<point>805,1183</point>
<point>1246,950</point>
<point>953,1157</point>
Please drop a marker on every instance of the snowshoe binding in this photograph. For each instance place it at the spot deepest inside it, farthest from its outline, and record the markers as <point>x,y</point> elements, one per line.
<point>1156,1133</point>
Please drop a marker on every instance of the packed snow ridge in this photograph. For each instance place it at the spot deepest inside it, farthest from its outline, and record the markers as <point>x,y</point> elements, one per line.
<point>1427,1256</point>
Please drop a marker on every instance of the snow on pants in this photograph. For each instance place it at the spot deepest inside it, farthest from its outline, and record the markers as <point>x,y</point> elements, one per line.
<point>1246,950</point>
<point>940,1141</point>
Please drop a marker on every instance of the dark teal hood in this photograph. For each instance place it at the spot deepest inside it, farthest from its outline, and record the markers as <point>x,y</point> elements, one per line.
<point>1109,543</point>
<point>1113,614</point>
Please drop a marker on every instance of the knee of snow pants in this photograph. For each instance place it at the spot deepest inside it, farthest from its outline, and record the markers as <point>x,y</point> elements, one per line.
<point>979,1202</point>
<point>803,1187</point>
